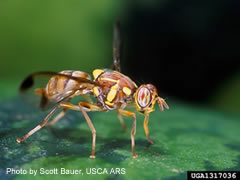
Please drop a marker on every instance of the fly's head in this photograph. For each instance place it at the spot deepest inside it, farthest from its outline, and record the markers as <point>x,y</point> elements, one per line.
<point>145,98</point>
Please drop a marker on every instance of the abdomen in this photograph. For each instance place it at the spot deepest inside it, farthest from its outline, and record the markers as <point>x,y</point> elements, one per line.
<point>60,84</point>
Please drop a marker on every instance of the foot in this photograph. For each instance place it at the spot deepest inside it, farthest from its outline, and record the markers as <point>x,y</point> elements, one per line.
<point>92,156</point>
<point>150,141</point>
<point>19,140</point>
<point>135,156</point>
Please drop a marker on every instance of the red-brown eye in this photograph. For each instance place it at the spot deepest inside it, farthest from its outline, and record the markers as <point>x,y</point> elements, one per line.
<point>144,97</point>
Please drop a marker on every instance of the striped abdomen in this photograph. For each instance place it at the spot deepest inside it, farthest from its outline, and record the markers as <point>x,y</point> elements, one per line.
<point>59,84</point>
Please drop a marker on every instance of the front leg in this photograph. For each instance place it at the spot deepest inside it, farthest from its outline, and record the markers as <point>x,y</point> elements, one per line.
<point>145,125</point>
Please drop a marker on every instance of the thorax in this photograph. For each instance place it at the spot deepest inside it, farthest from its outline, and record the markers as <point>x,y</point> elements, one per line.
<point>115,88</point>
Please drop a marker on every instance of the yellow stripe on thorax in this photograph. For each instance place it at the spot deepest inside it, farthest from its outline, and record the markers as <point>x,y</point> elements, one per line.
<point>127,91</point>
<point>97,72</point>
<point>112,93</point>
<point>109,79</point>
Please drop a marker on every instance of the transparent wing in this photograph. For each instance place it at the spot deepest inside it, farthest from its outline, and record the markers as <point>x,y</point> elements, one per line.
<point>32,89</point>
<point>116,47</point>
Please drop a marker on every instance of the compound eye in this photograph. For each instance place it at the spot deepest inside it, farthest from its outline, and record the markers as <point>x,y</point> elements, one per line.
<point>144,97</point>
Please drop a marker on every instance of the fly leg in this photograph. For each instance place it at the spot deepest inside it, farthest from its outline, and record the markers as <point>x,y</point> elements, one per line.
<point>90,107</point>
<point>81,107</point>
<point>145,125</point>
<point>45,120</point>
<point>63,112</point>
<point>57,118</point>
<point>133,131</point>
<point>121,118</point>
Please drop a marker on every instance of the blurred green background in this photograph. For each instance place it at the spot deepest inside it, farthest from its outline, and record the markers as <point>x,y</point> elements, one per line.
<point>53,36</point>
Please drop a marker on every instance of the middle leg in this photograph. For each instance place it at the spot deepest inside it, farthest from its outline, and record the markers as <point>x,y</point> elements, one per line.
<point>133,132</point>
<point>57,118</point>
<point>121,120</point>
<point>119,115</point>
<point>90,107</point>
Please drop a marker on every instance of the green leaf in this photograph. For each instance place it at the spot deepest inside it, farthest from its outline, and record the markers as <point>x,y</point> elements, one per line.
<point>186,138</point>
